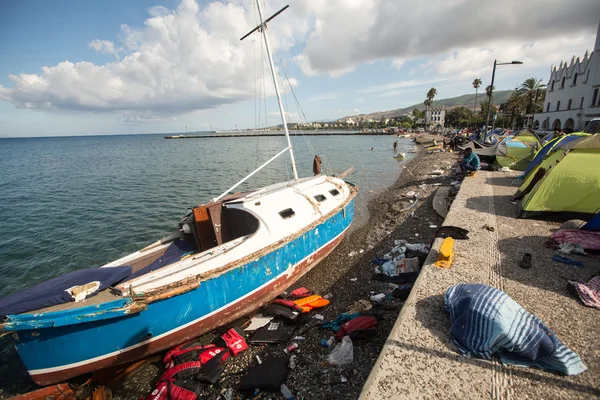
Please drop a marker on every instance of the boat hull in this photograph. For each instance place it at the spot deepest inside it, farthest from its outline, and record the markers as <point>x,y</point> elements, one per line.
<point>55,354</point>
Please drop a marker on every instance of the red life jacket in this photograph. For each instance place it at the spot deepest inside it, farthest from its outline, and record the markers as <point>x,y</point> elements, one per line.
<point>355,325</point>
<point>177,383</point>
<point>192,351</point>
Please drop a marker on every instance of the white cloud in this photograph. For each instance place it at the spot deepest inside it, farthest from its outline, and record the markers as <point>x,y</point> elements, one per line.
<point>191,58</point>
<point>181,60</point>
<point>401,84</point>
<point>346,33</point>
<point>104,46</point>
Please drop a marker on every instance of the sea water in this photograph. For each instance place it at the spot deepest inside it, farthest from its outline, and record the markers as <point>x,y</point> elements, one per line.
<point>68,203</point>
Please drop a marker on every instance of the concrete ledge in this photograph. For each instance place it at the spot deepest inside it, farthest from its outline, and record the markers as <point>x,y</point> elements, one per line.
<point>420,360</point>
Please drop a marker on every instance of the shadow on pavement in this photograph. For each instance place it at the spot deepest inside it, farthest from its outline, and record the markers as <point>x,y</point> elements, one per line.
<point>544,273</point>
<point>482,204</point>
<point>530,373</point>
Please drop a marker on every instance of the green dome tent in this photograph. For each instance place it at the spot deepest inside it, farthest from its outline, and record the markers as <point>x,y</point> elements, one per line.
<point>566,183</point>
<point>517,151</point>
<point>543,159</point>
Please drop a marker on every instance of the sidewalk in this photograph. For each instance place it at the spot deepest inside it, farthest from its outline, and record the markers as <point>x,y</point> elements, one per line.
<point>420,360</point>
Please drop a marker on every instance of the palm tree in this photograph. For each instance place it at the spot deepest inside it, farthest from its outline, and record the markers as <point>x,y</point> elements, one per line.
<point>431,94</point>
<point>515,104</point>
<point>488,90</point>
<point>476,84</point>
<point>528,90</point>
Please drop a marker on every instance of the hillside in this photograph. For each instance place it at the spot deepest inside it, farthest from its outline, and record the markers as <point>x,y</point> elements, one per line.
<point>465,100</point>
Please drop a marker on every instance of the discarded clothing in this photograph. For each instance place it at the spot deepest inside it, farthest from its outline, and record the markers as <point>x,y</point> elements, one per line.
<point>379,261</point>
<point>454,232</point>
<point>277,310</point>
<point>258,322</point>
<point>266,376</point>
<point>566,260</point>
<point>409,277</point>
<point>53,292</point>
<point>402,292</point>
<point>339,321</point>
<point>589,292</point>
<point>587,239</point>
<point>486,321</point>
<point>273,332</point>
<point>571,248</point>
<point>357,326</point>
<point>360,306</point>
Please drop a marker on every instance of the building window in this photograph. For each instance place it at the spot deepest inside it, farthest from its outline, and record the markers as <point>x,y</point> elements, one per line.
<point>548,107</point>
<point>557,105</point>
<point>575,79</point>
<point>562,84</point>
<point>581,104</point>
<point>569,104</point>
<point>552,88</point>
<point>594,97</point>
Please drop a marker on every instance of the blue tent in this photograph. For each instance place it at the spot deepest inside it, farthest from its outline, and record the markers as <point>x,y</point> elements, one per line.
<point>593,224</point>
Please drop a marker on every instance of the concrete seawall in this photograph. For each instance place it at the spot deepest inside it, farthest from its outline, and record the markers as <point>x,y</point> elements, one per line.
<point>420,360</point>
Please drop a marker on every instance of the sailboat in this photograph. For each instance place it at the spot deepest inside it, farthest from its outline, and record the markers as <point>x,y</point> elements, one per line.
<point>226,259</point>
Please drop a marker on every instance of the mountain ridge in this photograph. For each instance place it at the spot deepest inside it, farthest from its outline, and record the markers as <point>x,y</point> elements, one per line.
<point>466,100</point>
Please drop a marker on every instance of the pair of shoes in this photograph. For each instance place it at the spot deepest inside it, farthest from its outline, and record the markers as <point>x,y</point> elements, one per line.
<point>526,261</point>
<point>472,173</point>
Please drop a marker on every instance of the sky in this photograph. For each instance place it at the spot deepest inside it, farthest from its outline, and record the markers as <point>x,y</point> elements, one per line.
<point>167,66</point>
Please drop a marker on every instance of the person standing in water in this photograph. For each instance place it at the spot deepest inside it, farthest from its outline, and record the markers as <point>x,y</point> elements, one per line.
<point>395,145</point>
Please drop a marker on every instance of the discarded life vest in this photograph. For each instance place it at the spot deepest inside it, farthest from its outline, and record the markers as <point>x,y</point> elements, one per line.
<point>310,302</point>
<point>234,340</point>
<point>358,328</point>
<point>300,293</point>
<point>288,303</point>
<point>186,381</point>
<point>192,351</point>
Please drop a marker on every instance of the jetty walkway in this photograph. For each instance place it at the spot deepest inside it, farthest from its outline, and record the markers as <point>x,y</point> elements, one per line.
<point>420,360</point>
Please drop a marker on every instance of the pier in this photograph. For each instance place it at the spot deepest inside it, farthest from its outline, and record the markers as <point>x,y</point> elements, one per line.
<point>251,134</point>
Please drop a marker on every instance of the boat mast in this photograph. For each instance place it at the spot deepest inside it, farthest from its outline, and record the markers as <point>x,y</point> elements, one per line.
<point>263,29</point>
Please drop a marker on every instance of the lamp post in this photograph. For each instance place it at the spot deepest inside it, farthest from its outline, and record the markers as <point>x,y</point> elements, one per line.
<point>537,93</point>
<point>487,120</point>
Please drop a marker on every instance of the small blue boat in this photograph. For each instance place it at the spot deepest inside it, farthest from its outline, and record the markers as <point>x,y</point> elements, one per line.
<point>226,259</point>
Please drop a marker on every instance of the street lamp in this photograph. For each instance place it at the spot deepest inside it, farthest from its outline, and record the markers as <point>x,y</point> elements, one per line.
<point>487,120</point>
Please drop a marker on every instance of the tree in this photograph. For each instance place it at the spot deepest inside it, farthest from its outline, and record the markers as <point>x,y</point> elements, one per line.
<point>476,84</point>
<point>488,91</point>
<point>515,105</point>
<point>458,116</point>
<point>484,107</point>
<point>418,114</point>
<point>528,90</point>
<point>431,94</point>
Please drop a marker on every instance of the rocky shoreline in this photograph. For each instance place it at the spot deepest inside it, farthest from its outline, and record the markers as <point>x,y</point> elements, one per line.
<point>346,275</point>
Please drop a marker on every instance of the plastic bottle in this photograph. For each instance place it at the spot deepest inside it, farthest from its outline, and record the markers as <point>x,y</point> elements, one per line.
<point>290,348</point>
<point>285,391</point>
<point>292,362</point>
<point>378,297</point>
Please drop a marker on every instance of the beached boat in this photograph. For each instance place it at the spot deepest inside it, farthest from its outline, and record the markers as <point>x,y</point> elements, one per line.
<point>226,259</point>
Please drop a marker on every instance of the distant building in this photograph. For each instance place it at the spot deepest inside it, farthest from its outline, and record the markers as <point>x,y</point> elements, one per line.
<point>435,117</point>
<point>572,95</point>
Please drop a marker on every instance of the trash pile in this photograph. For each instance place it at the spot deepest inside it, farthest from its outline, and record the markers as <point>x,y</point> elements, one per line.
<point>193,369</point>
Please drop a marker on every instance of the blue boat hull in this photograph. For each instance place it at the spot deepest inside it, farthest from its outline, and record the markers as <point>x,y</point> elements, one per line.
<point>58,353</point>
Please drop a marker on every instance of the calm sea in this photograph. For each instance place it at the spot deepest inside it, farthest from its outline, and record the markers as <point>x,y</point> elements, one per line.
<point>79,202</point>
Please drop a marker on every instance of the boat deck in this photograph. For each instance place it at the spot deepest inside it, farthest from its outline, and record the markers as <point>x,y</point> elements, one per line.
<point>104,296</point>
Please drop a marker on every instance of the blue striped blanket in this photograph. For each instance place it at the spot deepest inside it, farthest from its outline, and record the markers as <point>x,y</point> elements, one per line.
<point>485,321</point>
